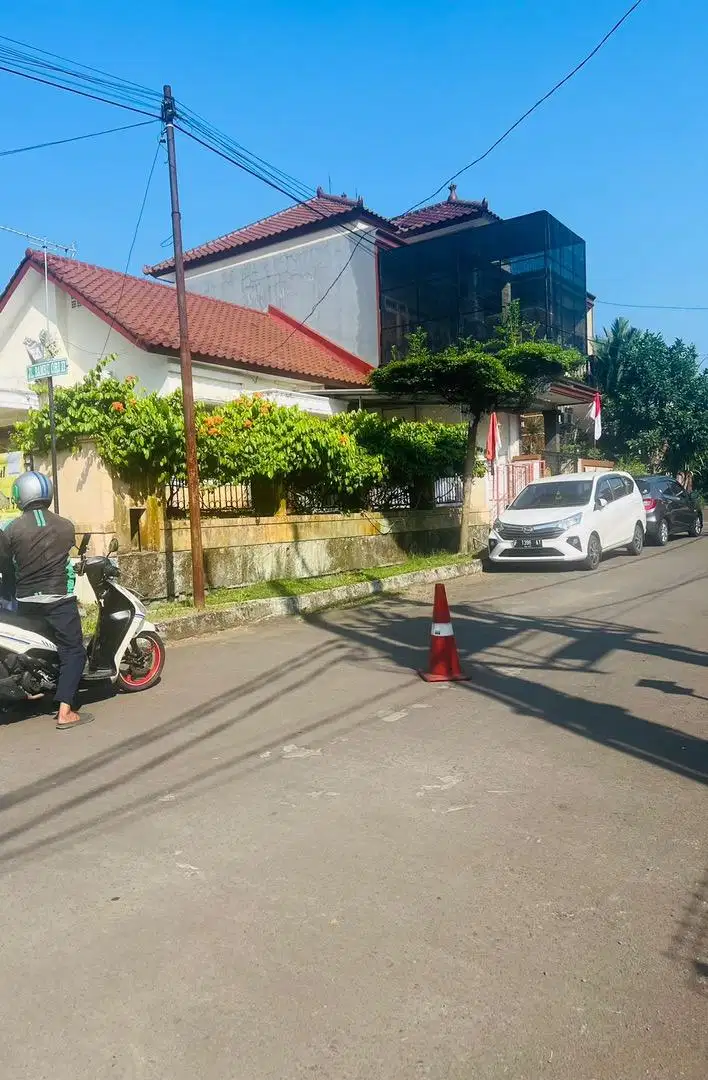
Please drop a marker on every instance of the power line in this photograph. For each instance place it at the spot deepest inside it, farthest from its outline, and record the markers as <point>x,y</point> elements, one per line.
<point>653,307</point>
<point>76,64</point>
<point>214,140</point>
<point>370,244</point>
<point>31,60</point>
<point>132,245</point>
<point>80,93</point>
<point>533,108</point>
<point>75,138</point>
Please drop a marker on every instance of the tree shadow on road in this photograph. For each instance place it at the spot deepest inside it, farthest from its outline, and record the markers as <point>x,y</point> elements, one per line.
<point>396,633</point>
<point>279,681</point>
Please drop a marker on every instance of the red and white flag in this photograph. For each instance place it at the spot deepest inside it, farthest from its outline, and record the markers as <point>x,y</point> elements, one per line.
<point>493,440</point>
<point>594,413</point>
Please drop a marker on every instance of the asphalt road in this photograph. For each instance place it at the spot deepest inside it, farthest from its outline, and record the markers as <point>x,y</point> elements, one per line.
<point>296,859</point>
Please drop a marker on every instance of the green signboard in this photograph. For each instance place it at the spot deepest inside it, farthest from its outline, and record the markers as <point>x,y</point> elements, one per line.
<point>47,369</point>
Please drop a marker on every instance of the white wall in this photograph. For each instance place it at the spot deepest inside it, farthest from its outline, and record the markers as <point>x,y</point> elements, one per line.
<point>82,338</point>
<point>293,275</point>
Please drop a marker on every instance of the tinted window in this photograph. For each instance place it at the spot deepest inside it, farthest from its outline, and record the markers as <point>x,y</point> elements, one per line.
<point>547,496</point>
<point>604,491</point>
<point>617,485</point>
<point>672,488</point>
<point>651,485</point>
<point>628,485</point>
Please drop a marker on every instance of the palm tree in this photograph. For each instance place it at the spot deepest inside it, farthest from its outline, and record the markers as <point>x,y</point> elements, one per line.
<point>607,364</point>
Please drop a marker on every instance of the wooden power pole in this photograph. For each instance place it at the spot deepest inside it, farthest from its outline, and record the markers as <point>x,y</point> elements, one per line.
<point>185,360</point>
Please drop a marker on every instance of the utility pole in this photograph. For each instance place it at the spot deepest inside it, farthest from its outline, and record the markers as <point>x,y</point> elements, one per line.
<point>185,360</point>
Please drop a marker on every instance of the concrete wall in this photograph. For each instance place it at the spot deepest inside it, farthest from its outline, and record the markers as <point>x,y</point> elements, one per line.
<point>293,275</point>
<point>242,551</point>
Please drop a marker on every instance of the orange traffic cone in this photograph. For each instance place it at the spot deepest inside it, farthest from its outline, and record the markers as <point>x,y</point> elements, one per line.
<point>444,663</point>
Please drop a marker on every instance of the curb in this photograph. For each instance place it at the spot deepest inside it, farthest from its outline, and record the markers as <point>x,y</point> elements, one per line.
<point>254,611</point>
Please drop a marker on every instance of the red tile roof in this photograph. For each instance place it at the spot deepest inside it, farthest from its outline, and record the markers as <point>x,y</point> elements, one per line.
<point>444,213</point>
<point>303,217</point>
<point>220,332</point>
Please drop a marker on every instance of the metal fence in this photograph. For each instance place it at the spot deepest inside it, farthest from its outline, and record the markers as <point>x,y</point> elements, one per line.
<point>214,499</point>
<point>448,491</point>
<point>234,499</point>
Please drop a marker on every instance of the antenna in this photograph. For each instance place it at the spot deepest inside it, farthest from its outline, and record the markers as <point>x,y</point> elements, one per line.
<point>42,241</point>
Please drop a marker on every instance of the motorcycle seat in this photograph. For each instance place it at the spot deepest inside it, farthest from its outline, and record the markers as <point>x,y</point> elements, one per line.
<point>36,624</point>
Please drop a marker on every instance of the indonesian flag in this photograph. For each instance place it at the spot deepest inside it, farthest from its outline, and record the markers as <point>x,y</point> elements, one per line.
<point>594,413</point>
<point>493,439</point>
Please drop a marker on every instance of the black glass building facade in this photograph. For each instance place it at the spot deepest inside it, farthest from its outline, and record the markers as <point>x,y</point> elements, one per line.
<point>458,285</point>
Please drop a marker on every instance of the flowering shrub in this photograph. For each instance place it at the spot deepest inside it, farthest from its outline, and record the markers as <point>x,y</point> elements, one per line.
<point>140,437</point>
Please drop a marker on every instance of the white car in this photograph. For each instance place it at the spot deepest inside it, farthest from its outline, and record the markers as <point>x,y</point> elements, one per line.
<point>572,518</point>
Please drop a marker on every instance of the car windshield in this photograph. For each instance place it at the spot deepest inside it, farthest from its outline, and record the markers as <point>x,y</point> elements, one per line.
<point>552,496</point>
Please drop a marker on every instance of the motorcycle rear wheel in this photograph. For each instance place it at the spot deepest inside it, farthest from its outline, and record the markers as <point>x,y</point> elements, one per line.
<point>142,665</point>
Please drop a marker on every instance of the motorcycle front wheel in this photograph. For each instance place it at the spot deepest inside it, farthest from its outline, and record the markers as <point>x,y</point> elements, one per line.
<point>142,664</point>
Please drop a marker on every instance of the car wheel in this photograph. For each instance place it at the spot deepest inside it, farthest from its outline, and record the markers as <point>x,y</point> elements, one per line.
<point>637,545</point>
<point>594,555</point>
<point>662,533</point>
<point>697,526</point>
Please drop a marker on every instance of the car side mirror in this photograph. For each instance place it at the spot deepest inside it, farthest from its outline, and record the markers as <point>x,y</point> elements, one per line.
<point>83,546</point>
<point>601,503</point>
<point>113,546</point>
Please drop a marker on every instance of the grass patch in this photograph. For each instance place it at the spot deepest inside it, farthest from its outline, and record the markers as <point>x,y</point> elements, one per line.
<point>266,590</point>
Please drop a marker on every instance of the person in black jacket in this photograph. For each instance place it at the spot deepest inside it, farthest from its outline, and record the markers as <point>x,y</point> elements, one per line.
<point>35,554</point>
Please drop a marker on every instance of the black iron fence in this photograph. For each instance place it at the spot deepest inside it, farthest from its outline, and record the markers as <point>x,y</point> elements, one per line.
<point>231,500</point>
<point>214,499</point>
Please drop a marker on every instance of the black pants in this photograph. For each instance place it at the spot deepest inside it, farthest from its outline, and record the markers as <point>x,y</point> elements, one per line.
<point>65,622</point>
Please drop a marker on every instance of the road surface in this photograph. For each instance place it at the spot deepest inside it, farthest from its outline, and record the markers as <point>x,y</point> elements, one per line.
<point>296,859</point>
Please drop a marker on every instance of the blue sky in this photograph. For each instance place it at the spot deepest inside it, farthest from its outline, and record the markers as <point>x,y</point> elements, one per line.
<point>387,100</point>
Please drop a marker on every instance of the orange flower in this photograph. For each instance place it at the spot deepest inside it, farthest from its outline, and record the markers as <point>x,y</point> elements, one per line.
<point>118,406</point>
<point>344,439</point>
<point>248,423</point>
<point>131,380</point>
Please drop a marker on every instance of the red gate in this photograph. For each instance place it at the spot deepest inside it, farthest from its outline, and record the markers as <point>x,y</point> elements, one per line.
<point>505,481</point>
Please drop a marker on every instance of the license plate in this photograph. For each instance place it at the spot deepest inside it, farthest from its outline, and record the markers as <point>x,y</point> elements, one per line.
<point>528,543</point>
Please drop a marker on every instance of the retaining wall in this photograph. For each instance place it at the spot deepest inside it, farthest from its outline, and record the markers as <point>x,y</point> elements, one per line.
<point>242,551</point>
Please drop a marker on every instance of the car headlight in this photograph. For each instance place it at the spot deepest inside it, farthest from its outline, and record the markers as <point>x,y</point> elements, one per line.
<point>498,524</point>
<point>569,522</point>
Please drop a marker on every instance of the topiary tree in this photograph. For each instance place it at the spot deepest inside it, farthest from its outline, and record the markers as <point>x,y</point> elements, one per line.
<point>480,377</point>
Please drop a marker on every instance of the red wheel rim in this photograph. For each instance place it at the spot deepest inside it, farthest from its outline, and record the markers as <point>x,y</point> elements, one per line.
<point>154,666</point>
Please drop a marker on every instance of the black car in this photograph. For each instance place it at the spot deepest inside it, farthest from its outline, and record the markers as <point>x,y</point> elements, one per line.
<point>670,508</point>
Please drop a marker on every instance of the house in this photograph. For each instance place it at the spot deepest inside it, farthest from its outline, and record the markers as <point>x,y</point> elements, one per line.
<point>93,312</point>
<point>364,281</point>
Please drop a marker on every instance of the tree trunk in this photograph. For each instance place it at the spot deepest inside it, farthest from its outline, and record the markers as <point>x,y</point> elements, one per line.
<point>468,478</point>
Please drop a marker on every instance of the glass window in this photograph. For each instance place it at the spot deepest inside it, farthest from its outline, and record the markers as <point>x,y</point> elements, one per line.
<point>673,489</point>
<point>548,496</point>
<point>618,488</point>
<point>628,485</point>
<point>458,284</point>
<point>604,491</point>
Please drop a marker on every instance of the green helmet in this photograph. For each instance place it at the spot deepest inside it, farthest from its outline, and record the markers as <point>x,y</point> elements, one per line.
<point>32,489</point>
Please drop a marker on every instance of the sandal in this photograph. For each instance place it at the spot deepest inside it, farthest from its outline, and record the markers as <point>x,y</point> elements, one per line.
<point>84,718</point>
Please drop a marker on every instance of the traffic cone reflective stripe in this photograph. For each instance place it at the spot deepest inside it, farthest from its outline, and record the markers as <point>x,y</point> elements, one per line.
<point>443,663</point>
